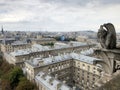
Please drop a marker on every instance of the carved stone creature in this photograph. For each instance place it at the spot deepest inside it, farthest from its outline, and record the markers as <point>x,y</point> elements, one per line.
<point>107,36</point>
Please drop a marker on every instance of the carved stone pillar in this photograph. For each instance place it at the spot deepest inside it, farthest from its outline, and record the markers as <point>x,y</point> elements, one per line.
<point>108,59</point>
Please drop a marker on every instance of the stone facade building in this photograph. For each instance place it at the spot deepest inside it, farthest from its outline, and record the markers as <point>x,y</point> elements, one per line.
<point>44,41</point>
<point>17,45</point>
<point>75,70</point>
<point>20,56</point>
<point>46,82</point>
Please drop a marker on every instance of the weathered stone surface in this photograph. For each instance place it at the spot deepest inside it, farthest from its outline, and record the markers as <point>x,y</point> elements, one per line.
<point>107,36</point>
<point>111,59</point>
<point>109,53</point>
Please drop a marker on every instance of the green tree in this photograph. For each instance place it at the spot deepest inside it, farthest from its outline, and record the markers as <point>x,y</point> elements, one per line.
<point>57,38</point>
<point>25,84</point>
<point>5,67</point>
<point>14,76</point>
<point>1,61</point>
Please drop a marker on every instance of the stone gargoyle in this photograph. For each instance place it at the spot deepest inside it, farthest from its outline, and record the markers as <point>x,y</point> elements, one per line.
<point>107,36</point>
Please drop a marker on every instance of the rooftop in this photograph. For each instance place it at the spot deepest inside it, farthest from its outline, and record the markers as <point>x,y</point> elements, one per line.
<point>75,43</point>
<point>87,52</point>
<point>50,82</point>
<point>37,62</point>
<point>37,48</point>
<point>44,39</point>
<point>18,43</point>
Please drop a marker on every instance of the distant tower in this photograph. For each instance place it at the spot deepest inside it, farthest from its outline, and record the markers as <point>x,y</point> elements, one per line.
<point>2,30</point>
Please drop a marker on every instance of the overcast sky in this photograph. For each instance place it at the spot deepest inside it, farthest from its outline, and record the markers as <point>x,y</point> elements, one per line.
<point>58,15</point>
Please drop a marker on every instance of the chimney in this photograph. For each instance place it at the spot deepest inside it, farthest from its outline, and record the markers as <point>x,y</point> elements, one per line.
<point>51,80</point>
<point>56,75</point>
<point>74,88</point>
<point>64,82</point>
<point>43,76</point>
<point>48,73</point>
<point>59,85</point>
<point>49,55</point>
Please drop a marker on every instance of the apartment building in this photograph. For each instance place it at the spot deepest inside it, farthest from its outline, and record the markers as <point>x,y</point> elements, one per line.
<point>14,46</point>
<point>74,69</point>
<point>18,57</point>
<point>47,82</point>
<point>44,41</point>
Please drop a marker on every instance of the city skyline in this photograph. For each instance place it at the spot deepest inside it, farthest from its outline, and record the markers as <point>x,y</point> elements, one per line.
<point>62,15</point>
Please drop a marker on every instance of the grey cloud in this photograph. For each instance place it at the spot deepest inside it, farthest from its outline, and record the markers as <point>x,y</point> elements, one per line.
<point>8,6</point>
<point>68,2</point>
<point>110,1</point>
<point>81,2</point>
<point>48,13</point>
<point>3,11</point>
<point>2,4</point>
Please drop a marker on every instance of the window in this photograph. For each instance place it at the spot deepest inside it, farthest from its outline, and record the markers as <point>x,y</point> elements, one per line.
<point>94,68</point>
<point>52,69</point>
<point>49,69</point>
<point>93,79</point>
<point>87,80</point>
<point>88,68</point>
<point>62,66</point>
<point>87,76</point>
<point>56,67</point>
<point>94,72</point>
<point>59,67</point>
<point>74,63</point>
<point>68,64</point>
<point>88,83</point>
<point>83,80</point>
<point>88,73</point>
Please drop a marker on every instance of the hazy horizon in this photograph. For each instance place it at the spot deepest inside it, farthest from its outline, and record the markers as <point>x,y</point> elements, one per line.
<point>58,15</point>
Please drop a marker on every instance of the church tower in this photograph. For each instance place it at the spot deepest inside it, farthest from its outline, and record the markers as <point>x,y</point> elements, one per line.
<point>2,30</point>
